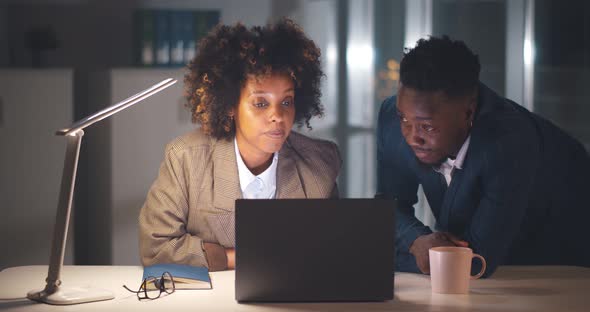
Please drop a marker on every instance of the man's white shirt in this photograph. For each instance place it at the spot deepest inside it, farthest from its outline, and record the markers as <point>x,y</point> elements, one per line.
<point>449,165</point>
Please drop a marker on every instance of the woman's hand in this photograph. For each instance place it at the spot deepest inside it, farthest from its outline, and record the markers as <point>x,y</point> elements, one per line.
<point>219,258</point>
<point>216,256</point>
<point>230,253</point>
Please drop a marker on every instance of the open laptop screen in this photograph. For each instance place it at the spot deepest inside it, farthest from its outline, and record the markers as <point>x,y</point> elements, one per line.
<point>310,250</point>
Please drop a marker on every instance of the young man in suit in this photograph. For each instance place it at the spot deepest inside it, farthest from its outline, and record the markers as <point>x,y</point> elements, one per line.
<point>499,179</point>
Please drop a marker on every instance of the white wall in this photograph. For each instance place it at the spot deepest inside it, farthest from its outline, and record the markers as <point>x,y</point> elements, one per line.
<point>34,103</point>
<point>124,156</point>
<point>138,138</point>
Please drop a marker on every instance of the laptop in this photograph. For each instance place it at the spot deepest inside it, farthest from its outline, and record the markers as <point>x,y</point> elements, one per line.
<point>314,250</point>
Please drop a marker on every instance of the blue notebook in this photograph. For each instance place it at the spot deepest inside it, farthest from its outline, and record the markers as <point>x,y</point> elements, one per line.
<point>185,276</point>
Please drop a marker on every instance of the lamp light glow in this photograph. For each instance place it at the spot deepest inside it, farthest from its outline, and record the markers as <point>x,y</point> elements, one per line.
<point>528,52</point>
<point>360,56</point>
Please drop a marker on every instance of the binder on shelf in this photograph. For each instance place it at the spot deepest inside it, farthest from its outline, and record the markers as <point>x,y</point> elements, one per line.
<point>204,21</point>
<point>162,35</point>
<point>188,35</point>
<point>144,37</point>
<point>169,38</point>
<point>177,40</point>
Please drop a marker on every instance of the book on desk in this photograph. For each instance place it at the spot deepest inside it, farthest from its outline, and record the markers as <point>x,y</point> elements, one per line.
<point>185,276</point>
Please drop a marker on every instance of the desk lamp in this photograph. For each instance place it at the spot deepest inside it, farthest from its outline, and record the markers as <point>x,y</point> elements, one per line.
<point>54,293</point>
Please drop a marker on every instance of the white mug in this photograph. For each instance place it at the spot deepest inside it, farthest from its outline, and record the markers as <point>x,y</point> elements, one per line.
<point>450,269</point>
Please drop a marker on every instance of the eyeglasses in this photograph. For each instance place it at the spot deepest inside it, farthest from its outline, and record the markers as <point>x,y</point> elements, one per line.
<point>149,286</point>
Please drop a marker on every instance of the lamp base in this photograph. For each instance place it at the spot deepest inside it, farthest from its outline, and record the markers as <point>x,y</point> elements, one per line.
<point>70,295</point>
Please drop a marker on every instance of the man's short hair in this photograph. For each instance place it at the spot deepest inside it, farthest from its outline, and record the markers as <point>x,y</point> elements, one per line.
<point>440,64</point>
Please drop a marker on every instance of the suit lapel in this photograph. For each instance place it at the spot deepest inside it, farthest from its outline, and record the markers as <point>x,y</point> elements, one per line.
<point>435,192</point>
<point>447,204</point>
<point>226,183</point>
<point>289,184</point>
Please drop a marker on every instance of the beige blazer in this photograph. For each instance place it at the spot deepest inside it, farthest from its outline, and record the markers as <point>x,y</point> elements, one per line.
<point>192,199</point>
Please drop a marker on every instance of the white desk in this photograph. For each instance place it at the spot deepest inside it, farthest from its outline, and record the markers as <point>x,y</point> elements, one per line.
<point>512,288</point>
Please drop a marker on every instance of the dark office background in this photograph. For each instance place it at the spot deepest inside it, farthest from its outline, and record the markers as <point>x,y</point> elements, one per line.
<point>61,60</point>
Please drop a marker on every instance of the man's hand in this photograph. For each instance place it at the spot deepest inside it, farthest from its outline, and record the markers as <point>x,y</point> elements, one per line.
<point>422,244</point>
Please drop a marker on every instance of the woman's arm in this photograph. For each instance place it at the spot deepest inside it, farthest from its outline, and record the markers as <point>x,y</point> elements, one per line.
<point>219,258</point>
<point>163,237</point>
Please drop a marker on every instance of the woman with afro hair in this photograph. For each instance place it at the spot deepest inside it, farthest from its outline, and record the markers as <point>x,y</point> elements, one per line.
<point>245,88</point>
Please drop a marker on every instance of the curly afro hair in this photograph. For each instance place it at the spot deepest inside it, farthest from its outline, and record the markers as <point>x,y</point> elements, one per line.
<point>440,64</point>
<point>228,55</point>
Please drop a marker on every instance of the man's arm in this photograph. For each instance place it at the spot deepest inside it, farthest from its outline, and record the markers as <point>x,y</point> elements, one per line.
<point>509,170</point>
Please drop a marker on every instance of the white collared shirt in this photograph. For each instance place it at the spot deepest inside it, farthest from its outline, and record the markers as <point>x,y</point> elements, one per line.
<point>447,167</point>
<point>262,186</point>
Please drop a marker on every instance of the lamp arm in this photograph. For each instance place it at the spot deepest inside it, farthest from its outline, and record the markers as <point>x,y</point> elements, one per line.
<point>113,109</point>
<point>64,207</point>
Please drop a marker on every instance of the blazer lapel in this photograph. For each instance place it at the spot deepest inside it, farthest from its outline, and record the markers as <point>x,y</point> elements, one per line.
<point>447,204</point>
<point>226,183</point>
<point>289,184</point>
<point>432,185</point>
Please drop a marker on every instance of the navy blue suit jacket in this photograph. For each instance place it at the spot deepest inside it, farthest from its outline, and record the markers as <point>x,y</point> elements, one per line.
<point>521,197</point>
